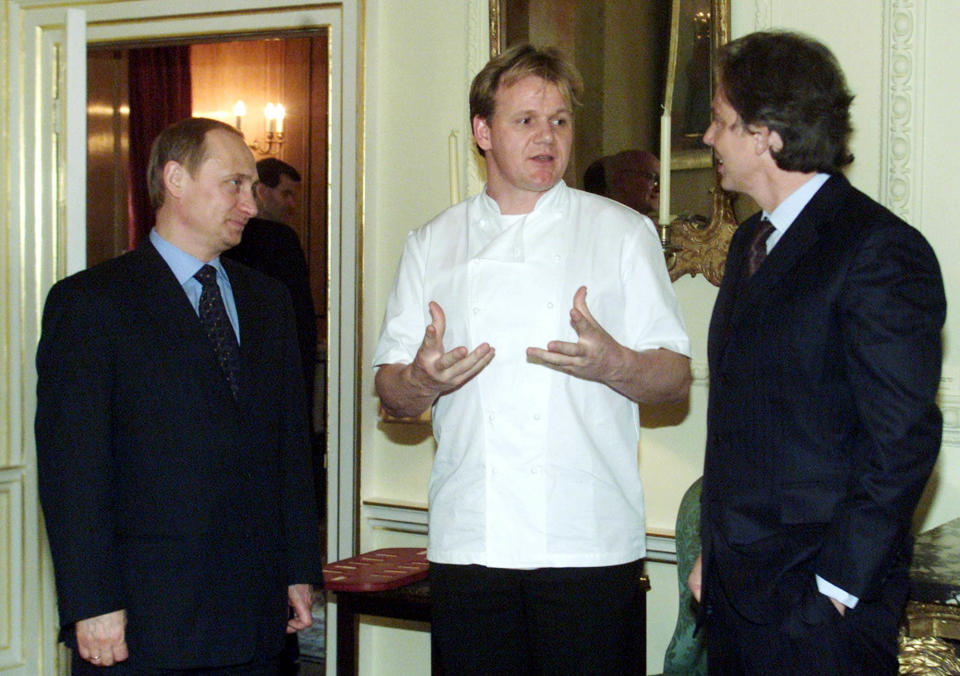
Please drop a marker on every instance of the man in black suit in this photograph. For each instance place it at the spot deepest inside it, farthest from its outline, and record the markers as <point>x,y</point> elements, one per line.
<point>825,359</point>
<point>173,455</point>
<point>272,247</point>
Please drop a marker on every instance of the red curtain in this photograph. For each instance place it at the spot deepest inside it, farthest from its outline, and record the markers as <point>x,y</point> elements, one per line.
<point>159,83</point>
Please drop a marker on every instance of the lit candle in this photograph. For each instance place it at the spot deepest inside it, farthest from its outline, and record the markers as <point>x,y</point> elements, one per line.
<point>239,110</point>
<point>280,112</point>
<point>454,168</point>
<point>270,117</point>
<point>665,168</point>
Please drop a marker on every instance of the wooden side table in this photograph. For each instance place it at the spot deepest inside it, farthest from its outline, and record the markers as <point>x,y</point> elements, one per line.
<point>385,583</point>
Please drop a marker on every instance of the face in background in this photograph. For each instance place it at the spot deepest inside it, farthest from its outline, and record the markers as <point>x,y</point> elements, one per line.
<point>280,203</point>
<point>526,142</point>
<point>735,147</point>
<point>211,207</point>
<point>635,180</point>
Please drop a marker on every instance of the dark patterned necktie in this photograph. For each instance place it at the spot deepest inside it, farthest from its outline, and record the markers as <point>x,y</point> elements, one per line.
<point>214,319</point>
<point>758,247</point>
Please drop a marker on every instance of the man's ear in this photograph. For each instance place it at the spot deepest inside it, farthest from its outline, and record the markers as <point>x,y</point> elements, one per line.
<point>766,139</point>
<point>258,190</point>
<point>174,175</point>
<point>776,142</point>
<point>481,132</point>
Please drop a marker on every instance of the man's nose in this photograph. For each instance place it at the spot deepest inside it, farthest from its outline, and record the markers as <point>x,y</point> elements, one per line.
<point>248,204</point>
<point>708,136</point>
<point>546,132</point>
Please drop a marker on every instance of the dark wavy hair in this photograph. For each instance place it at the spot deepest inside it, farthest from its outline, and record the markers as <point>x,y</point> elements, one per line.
<point>793,85</point>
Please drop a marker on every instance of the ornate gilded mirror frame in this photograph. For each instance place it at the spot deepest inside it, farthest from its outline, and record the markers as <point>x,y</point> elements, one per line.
<point>693,244</point>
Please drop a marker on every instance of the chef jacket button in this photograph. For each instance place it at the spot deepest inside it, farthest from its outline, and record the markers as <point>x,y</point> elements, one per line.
<point>536,416</point>
<point>476,310</point>
<point>556,258</point>
<point>491,417</point>
<point>549,306</point>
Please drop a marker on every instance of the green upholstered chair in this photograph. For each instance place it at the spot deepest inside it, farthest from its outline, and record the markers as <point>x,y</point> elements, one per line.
<point>686,654</point>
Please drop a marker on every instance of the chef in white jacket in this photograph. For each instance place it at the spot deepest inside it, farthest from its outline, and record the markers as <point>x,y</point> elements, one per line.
<point>532,318</point>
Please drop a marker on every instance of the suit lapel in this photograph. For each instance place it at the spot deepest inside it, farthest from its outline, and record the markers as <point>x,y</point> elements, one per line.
<point>251,318</point>
<point>163,297</point>
<point>728,297</point>
<point>747,297</point>
<point>160,295</point>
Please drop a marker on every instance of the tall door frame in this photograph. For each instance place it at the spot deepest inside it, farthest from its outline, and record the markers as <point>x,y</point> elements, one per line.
<point>42,139</point>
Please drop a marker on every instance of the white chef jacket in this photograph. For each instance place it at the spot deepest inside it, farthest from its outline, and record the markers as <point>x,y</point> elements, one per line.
<point>534,468</point>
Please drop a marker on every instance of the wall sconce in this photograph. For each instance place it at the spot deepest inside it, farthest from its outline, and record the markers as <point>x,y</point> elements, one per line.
<point>273,115</point>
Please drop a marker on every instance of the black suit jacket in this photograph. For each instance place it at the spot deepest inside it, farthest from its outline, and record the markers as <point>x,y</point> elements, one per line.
<point>162,495</point>
<point>822,427</point>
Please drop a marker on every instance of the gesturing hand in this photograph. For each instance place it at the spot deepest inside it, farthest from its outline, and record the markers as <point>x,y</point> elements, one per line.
<point>409,389</point>
<point>595,356</point>
<point>441,371</point>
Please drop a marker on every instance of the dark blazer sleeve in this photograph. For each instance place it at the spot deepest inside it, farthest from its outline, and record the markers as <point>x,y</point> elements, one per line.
<point>73,434</point>
<point>891,314</point>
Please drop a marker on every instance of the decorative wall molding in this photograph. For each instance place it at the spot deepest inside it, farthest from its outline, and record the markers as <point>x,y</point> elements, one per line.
<point>12,583</point>
<point>763,16</point>
<point>395,517</point>
<point>950,408</point>
<point>901,111</point>
<point>661,547</point>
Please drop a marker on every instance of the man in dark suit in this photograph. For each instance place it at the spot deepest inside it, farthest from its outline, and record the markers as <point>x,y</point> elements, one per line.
<point>825,358</point>
<point>172,445</point>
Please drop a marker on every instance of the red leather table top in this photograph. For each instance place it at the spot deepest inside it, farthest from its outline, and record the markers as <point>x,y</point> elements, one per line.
<point>378,570</point>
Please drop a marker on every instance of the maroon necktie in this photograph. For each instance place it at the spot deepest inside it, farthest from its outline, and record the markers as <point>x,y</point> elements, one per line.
<point>216,323</point>
<point>758,247</point>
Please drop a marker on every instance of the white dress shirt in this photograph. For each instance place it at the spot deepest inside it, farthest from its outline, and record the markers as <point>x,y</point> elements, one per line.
<point>534,468</point>
<point>185,266</point>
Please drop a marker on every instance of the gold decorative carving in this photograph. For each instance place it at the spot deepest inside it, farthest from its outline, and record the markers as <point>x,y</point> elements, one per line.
<point>693,246</point>
<point>928,656</point>
<point>932,619</point>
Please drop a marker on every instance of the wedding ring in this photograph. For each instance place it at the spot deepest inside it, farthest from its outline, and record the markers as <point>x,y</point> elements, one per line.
<point>95,658</point>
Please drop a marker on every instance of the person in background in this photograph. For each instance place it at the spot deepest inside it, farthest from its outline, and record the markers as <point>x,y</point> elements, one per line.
<point>532,318</point>
<point>631,177</point>
<point>272,247</point>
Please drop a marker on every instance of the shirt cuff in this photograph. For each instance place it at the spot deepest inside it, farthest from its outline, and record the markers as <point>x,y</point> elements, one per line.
<point>833,591</point>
